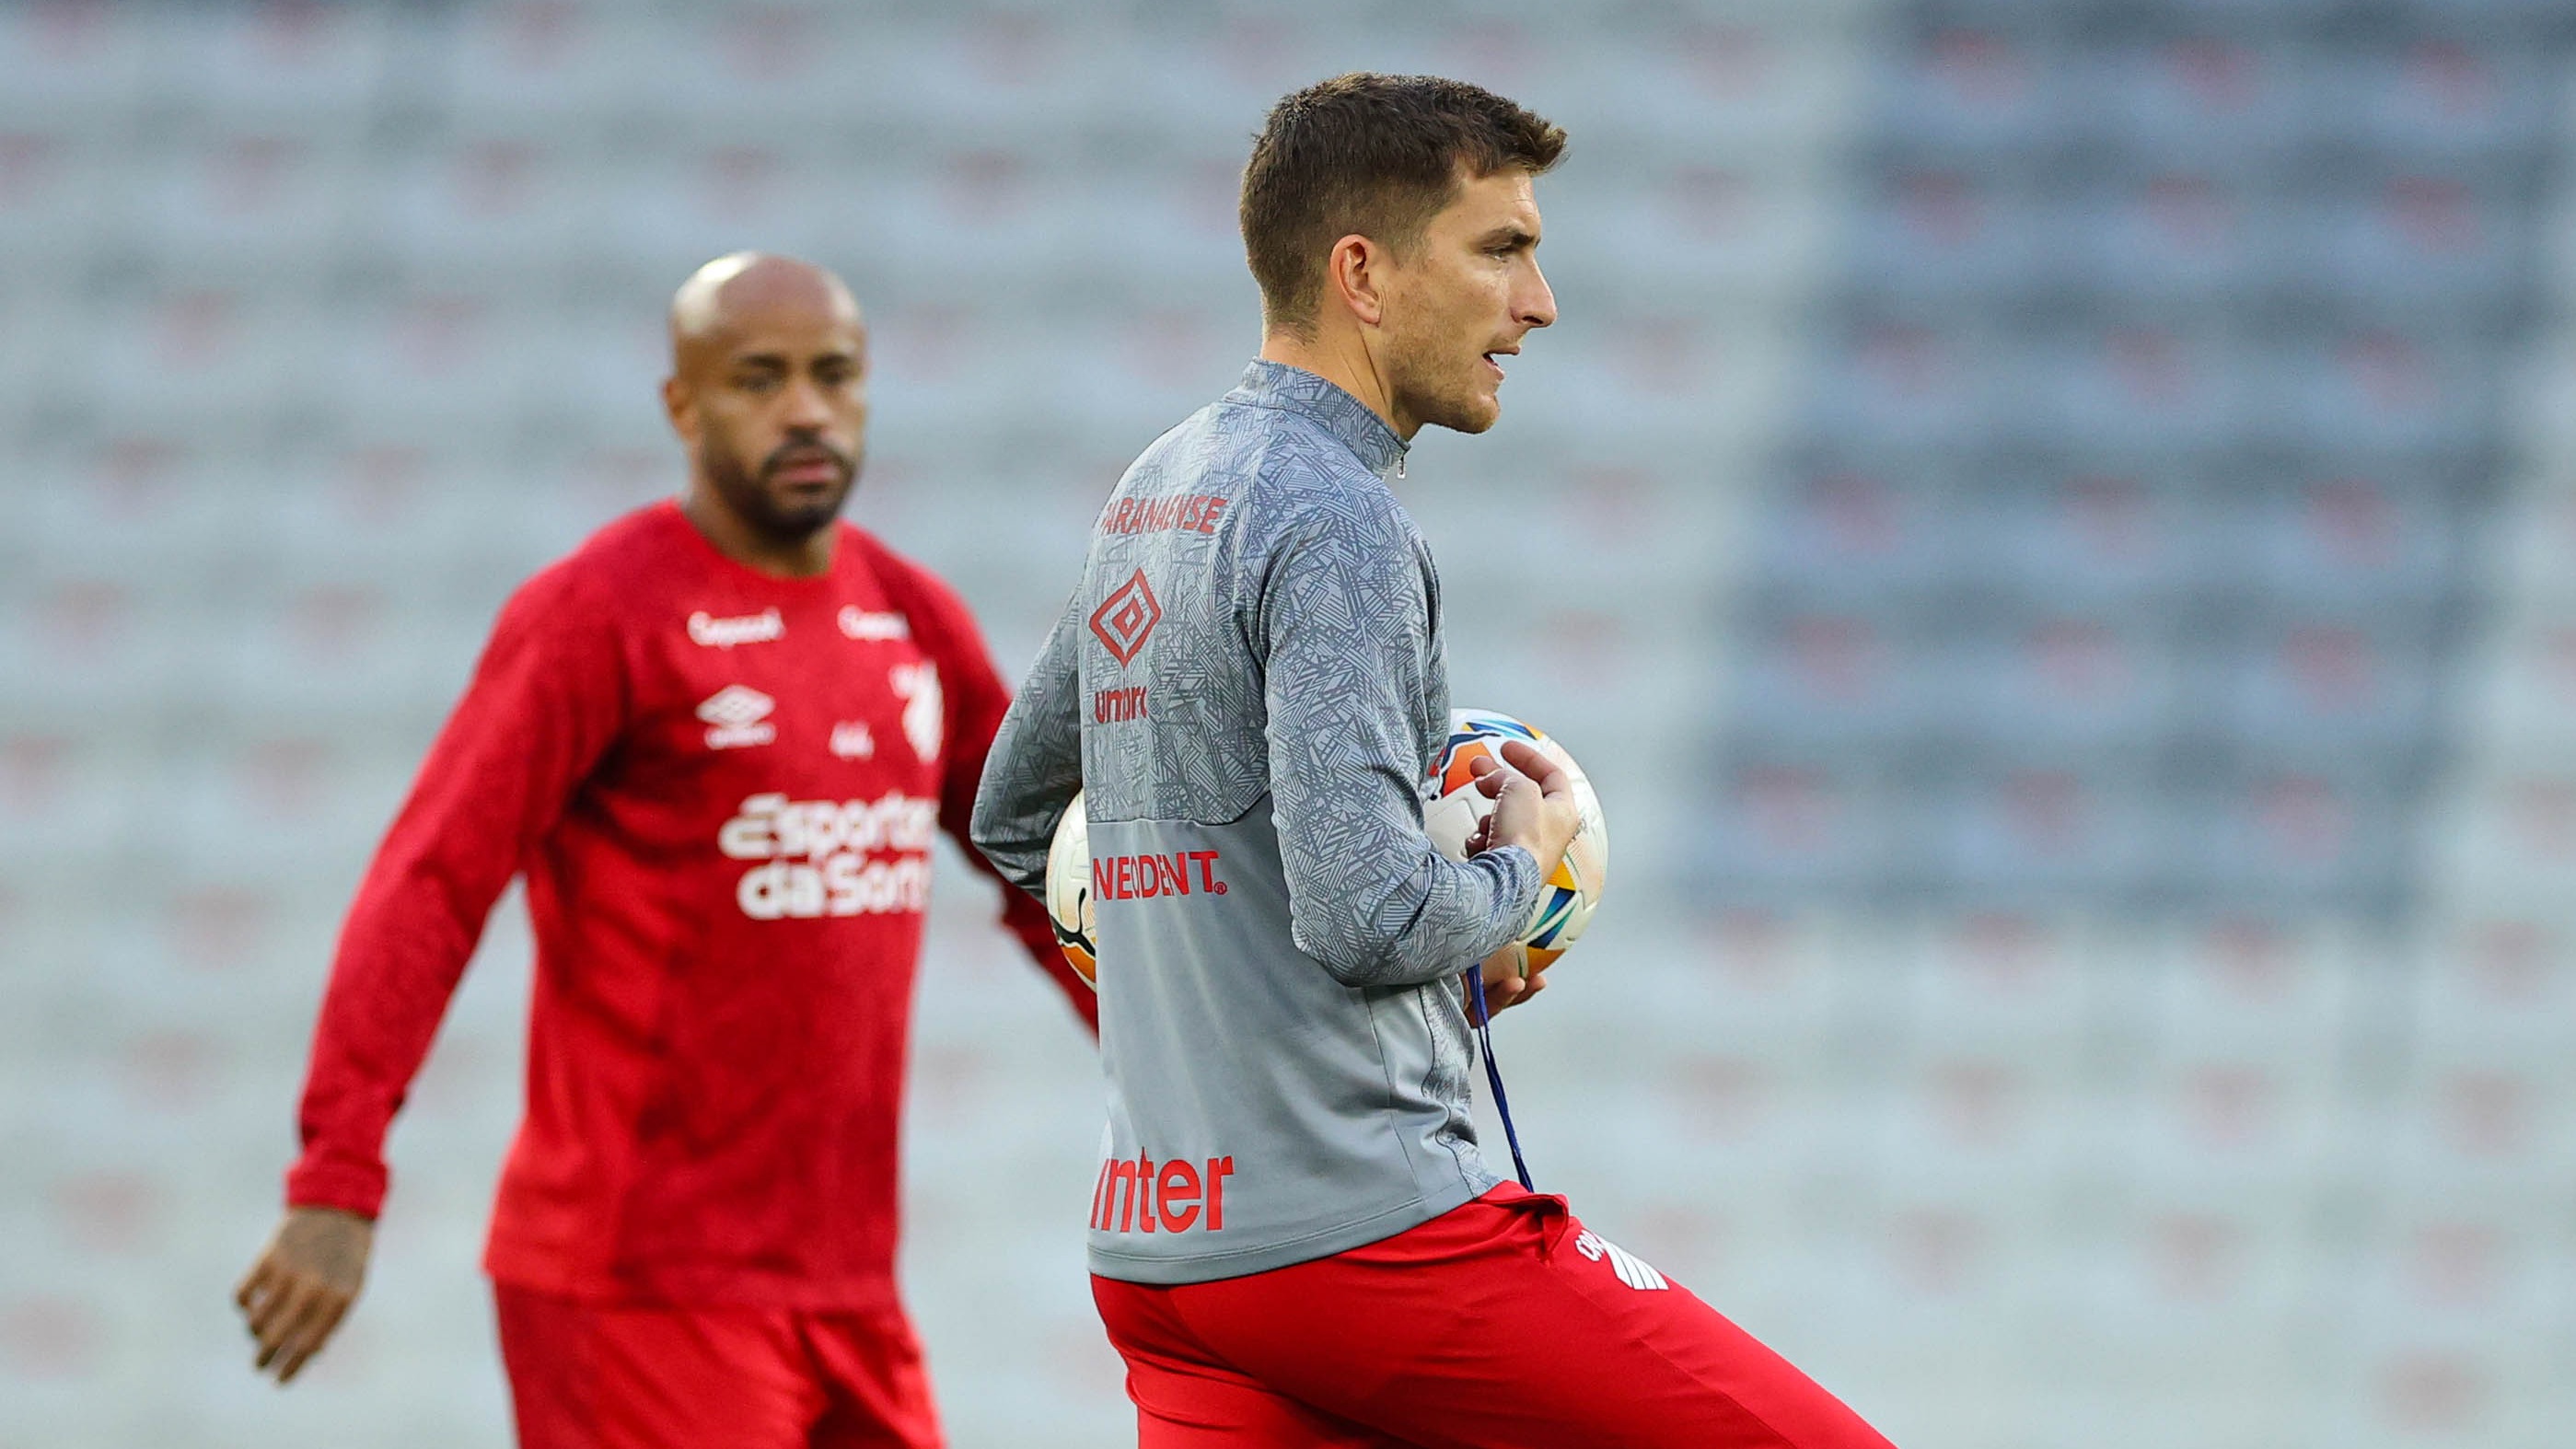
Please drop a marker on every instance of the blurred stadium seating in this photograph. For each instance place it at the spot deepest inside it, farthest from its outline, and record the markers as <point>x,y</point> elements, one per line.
<point>2049,523</point>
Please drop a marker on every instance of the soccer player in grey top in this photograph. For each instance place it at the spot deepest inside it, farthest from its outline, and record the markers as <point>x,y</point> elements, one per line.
<point>1294,1239</point>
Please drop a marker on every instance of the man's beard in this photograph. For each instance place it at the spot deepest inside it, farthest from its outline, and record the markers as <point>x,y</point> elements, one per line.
<point>1432,401</point>
<point>749,495</point>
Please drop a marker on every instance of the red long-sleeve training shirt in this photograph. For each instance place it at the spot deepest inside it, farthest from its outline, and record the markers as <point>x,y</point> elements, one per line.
<point>721,787</point>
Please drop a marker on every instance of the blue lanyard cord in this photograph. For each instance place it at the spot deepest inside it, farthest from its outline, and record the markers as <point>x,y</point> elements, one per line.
<point>1494,1074</point>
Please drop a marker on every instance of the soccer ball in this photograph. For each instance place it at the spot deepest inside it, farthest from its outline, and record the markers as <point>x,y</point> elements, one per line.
<point>1068,893</point>
<point>1455,807</point>
<point>1450,813</point>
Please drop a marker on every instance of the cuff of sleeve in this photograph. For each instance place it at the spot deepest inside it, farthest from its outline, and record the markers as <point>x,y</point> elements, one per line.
<point>1525,877</point>
<point>350,1187</point>
<point>1521,877</point>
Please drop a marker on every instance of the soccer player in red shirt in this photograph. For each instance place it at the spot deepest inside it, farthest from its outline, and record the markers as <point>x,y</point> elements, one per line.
<point>716,740</point>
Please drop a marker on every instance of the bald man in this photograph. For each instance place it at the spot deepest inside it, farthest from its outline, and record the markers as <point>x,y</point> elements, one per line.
<point>716,740</point>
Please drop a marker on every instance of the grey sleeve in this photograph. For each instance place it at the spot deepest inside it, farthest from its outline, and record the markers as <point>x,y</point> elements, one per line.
<point>1343,623</point>
<point>1035,766</point>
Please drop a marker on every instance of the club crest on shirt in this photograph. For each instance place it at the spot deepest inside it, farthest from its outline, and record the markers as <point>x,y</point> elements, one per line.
<point>738,715</point>
<point>925,706</point>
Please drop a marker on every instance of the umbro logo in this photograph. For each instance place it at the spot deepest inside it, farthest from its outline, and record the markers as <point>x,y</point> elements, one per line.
<point>1632,1270</point>
<point>1126,619</point>
<point>738,715</point>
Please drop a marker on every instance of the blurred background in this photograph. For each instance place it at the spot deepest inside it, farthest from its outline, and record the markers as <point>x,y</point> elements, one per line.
<point>2052,524</point>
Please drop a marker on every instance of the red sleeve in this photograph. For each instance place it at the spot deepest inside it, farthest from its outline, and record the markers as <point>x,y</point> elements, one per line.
<point>547,699</point>
<point>976,702</point>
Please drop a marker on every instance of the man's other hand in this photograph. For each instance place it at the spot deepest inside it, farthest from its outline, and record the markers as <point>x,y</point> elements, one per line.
<point>303,1284</point>
<point>1505,986</point>
<point>1534,805</point>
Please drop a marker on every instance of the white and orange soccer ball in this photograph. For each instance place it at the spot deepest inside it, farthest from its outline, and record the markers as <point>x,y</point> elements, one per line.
<point>1568,897</point>
<point>1068,893</point>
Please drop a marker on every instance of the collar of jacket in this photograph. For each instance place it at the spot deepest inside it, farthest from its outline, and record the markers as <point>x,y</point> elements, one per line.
<point>1293,389</point>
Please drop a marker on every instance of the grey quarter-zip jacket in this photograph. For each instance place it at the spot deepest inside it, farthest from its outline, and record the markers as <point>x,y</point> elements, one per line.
<point>1249,688</point>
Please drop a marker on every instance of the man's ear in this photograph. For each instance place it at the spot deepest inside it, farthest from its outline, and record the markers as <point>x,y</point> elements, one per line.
<point>682,408</point>
<point>1353,273</point>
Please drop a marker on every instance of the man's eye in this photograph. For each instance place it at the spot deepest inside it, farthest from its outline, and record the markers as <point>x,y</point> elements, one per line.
<point>759,382</point>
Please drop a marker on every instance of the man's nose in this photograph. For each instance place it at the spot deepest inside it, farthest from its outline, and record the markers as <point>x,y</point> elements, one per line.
<point>1538,305</point>
<point>806,407</point>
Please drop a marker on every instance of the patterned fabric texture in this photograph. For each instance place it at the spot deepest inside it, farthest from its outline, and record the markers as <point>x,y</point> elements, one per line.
<point>1298,655</point>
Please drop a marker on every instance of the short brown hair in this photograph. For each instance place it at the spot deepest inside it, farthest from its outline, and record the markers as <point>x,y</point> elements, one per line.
<point>1376,155</point>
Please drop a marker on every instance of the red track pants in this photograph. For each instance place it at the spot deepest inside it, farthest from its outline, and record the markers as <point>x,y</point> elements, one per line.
<point>1499,1325</point>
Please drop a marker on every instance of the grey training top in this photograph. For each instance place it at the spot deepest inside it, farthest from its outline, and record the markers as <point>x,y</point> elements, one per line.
<point>1249,687</point>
